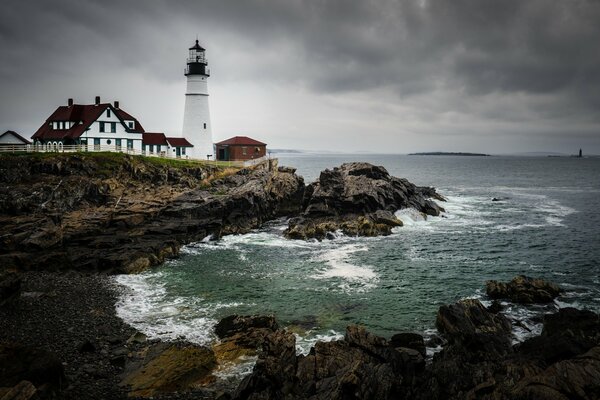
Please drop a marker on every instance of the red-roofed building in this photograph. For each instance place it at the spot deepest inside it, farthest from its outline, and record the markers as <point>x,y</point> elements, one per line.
<point>240,148</point>
<point>98,126</point>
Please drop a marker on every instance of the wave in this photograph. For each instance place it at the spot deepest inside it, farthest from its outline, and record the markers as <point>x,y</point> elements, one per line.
<point>337,260</point>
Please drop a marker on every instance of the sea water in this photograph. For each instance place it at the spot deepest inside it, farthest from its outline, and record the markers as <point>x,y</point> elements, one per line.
<point>546,224</point>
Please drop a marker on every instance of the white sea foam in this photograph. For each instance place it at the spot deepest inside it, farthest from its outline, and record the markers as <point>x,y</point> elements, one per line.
<point>145,304</point>
<point>337,260</point>
<point>308,341</point>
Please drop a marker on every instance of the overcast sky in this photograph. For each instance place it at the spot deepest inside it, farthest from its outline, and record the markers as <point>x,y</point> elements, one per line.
<point>382,76</point>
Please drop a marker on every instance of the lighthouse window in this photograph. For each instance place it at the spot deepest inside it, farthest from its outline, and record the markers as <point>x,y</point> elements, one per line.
<point>205,125</point>
<point>102,129</point>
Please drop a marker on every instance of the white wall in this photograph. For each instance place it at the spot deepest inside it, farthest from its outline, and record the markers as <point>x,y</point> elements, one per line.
<point>10,139</point>
<point>196,114</point>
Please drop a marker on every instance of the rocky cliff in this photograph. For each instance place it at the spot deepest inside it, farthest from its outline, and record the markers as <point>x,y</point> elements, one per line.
<point>118,213</point>
<point>358,199</point>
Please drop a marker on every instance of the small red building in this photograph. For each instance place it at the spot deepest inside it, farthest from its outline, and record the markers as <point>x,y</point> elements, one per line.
<point>240,148</point>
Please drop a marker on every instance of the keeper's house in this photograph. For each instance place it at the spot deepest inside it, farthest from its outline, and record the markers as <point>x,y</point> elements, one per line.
<point>240,148</point>
<point>105,127</point>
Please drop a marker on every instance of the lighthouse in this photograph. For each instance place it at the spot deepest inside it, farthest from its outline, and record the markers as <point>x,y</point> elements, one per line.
<point>196,116</point>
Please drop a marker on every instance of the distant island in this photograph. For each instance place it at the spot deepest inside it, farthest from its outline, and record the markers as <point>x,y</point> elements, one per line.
<point>444,153</point>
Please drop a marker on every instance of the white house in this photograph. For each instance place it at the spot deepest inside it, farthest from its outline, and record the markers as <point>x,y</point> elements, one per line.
<point>106,127</point>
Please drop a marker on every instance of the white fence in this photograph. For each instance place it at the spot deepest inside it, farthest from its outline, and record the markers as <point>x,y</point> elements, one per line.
<point>58,147</point>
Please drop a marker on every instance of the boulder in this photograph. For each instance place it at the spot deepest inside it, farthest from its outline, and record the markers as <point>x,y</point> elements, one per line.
<point>473,331</point>
<point>358,199</point>
<point>25,363</point>
<point>577,378</point>
<point>409,340</point>
<point>523,289</point>
<point>235,324</point>
<point>170,368</point>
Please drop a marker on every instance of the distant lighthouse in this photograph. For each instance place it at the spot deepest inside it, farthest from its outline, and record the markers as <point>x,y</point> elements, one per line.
<point>196,116</point>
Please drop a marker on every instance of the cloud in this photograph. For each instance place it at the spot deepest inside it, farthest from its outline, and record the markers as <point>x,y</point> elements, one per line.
<point>329,66</point>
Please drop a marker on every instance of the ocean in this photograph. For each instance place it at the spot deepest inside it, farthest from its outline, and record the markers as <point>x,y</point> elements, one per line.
<point>546,224</point>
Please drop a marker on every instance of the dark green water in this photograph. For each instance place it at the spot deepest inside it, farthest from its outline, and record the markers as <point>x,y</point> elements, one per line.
<point>548,225</point>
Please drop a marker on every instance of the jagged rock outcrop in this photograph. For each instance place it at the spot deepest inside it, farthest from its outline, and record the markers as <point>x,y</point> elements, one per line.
<point>119,213</point>
<point>478,361</point>
<point>523,289</point>
<point>358,199</point>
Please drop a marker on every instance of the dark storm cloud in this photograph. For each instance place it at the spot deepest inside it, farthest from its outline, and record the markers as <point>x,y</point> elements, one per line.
<point>512,59</point>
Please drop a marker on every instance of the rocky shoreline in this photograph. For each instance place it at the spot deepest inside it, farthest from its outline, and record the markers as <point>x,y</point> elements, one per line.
<point>68,221</point>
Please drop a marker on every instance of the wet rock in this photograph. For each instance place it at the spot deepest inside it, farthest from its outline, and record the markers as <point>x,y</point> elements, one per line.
<point>176,368</point>
<point>568,333</point>
<point>578,378</point>
<point>137,337</point>
<point>234,324</point>
<point>409,340</point>
<point>474,331</point>
<point>523,289</point>
<point>359,199</point>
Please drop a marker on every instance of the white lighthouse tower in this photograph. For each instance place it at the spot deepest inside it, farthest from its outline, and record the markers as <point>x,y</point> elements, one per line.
<point>196,117</point>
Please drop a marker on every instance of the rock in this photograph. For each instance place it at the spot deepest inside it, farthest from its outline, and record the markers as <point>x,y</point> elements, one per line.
<point>124,214</point>
<point>578,378</point>
<point>566,334</point>
<point>138,338</point>
<point>24,390</point>
<point>409,340</point>
<point>41,368</point>
<point>358,199</point>
<point>524,290</point>
<point>176,368</point>
<point>10,288</point>
<point>86,347</point>
<point>474,331</point>
<point>234,324</point>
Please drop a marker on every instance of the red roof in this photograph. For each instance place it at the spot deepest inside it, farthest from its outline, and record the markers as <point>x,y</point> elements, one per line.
<point>154,138</point>
<point>241,141</point>
<point>179,142</point>
<point>15,134</point>
<point>83,115</point>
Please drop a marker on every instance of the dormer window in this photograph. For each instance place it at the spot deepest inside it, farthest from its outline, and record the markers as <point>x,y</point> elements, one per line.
<point>130,123</point>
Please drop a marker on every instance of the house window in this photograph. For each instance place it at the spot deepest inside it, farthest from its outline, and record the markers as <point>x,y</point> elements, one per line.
<point>118,144</point>
<point>143,149</point>
<point>96,144</point>
<point>205,125</point>
<point>151,148</point>
<point>113,127</point>
<point>158,148</point>
<point>129,144</point>
<point>130,124</point>
<point>102,127</point>
<point>183,151</point>
<point>108,141</point>
<point>108,113</point>
<point>244,151</point>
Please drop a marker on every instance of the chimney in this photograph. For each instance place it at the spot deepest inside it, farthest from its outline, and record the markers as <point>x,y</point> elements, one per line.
<point>116,104</point>
<point>97,100</point>
<point>70,102</point>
